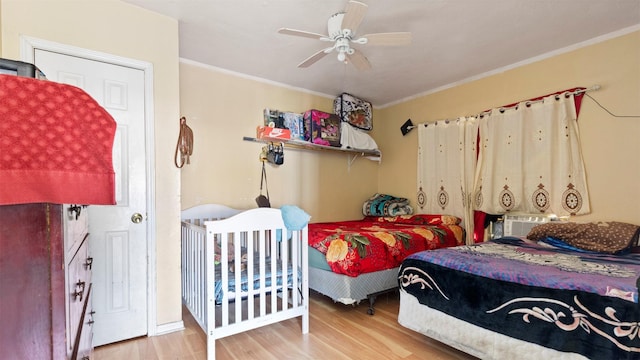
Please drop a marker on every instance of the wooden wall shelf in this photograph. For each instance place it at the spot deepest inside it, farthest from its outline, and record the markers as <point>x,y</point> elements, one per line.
<point>303,145</point>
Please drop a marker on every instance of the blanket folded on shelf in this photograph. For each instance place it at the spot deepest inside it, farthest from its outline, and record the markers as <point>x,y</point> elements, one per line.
<point>55,144</point>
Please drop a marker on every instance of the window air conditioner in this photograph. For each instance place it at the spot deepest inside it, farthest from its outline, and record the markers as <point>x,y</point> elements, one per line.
<point>520,225</point>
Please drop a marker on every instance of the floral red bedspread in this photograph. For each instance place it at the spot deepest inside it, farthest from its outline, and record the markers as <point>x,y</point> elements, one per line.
<point>378,243</point>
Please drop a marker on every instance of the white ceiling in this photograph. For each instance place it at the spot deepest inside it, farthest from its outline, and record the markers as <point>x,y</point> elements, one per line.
<point>452,40</point>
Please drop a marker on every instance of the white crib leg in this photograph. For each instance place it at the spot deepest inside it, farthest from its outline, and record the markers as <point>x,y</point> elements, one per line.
<point>211,346</point>
<point>305,323</point>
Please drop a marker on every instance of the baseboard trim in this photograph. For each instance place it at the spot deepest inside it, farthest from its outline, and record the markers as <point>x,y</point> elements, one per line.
<point>169,328</point>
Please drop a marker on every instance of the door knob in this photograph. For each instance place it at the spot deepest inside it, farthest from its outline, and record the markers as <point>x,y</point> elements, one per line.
<point>136,218</point>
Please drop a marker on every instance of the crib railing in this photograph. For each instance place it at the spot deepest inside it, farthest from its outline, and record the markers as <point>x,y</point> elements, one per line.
<point>194,270</point>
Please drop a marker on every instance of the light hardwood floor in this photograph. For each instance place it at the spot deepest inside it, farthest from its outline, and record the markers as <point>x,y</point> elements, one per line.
<point>337,331</point>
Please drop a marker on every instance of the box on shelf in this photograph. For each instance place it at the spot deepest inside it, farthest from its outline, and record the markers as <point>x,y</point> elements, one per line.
<point>263,132</point>
<point>322,128</point>
<point>355,111</point>
<point>293,122</point>
<point>273,118</point>
<point>285,120</point>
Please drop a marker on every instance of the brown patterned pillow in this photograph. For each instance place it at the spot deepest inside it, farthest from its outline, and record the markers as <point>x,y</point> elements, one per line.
<point>606,237</point>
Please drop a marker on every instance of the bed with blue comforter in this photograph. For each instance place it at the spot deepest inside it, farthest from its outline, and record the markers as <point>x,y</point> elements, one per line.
<point>526,298</point>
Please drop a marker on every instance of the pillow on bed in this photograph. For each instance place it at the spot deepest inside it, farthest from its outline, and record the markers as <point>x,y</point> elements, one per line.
<point>417,219</point>
<point>605,237</point>
<point>386,205</point>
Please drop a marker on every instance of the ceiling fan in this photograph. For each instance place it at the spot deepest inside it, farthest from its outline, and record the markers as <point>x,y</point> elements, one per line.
<point>341,29</point>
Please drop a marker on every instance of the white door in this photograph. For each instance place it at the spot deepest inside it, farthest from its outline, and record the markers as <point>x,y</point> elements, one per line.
<point>118,236</point>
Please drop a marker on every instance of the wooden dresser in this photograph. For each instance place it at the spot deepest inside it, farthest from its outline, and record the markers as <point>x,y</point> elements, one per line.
<point>45,282</point>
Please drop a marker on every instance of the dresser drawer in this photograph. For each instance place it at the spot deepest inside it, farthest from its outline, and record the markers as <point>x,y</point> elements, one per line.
<point>76,225</point>
<point>83,348</point>
<point>78,288</point>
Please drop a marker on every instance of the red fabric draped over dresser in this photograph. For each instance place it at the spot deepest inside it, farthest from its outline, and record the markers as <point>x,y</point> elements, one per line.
<point>55,144</point>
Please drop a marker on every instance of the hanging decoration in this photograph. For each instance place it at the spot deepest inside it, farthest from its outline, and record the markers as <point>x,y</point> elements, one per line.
<point>184,145</point>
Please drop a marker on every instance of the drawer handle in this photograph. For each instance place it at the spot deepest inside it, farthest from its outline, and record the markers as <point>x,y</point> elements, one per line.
<point>89,263</point>
<point>75,209</point>
<point>79,284</point>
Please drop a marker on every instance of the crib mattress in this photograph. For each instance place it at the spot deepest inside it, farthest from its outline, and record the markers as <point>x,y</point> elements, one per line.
<point>245,282</point>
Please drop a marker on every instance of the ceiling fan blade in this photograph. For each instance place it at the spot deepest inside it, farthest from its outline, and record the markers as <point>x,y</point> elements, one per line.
<point>389,39</point>
<point>301,33</point>
<point>315,57</point>
<point>353,15</point>
<point>359,60</point>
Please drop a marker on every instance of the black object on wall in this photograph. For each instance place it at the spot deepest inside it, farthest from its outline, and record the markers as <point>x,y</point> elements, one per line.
<point>406,127</point>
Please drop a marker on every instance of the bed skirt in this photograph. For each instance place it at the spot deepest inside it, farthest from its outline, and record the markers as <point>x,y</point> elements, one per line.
<point>351,290</point>
<point>457,333</point>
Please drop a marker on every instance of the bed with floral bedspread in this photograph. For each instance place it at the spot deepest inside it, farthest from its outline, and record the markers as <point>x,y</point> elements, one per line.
<point>379,243</point>
<point>361,258</point>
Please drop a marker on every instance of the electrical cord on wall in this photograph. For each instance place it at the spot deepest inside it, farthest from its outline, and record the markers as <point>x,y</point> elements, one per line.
<point>610,113</point>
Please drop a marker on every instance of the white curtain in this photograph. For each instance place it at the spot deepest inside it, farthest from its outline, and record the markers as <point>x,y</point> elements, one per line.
<point>530,160</point>
<point>446,168</point>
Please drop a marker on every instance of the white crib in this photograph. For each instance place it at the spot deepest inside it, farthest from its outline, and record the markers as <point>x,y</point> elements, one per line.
<point>268,261</point>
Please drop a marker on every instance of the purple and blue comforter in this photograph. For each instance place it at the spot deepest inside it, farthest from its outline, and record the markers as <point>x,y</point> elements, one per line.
<point>570,301</point>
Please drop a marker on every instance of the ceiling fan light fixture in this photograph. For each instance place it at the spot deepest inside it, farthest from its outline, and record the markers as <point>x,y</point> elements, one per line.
<point>342,28</point>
